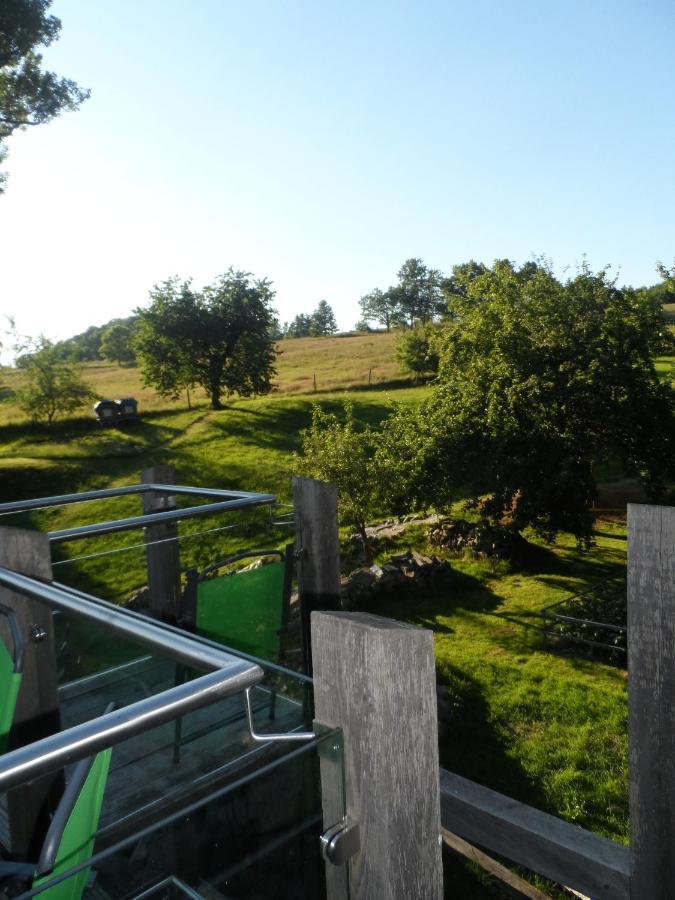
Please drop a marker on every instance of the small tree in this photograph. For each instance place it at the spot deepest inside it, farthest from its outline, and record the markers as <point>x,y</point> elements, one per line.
<point>322,320</point>
<point>52,386</point>
<point>416,351</point>
<point>117,343</point>
<point>336,452</point>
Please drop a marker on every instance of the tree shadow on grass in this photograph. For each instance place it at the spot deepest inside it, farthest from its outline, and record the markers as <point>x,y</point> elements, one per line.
<point>472,747</point>
<point>278,426</point>
<point>458,591</point>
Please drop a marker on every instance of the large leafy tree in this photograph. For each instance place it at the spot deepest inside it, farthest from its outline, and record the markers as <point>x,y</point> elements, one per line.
<point>218,338</point>
<point>539,382</point>
<point>29,95</point>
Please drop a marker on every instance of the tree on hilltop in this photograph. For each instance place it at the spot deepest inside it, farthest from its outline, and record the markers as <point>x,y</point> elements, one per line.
<point>29,95</point>
<point>416,299</point>
<point>218,338</point>
<point>299,327</point>
<point>117,343</point>
<point>322,320</point>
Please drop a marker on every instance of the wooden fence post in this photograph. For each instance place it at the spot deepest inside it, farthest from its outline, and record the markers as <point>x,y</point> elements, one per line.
<point>318,552</point>
<point>163,559</point>
<point>37,709</point>
<point>375,679</point>
<point>651,699</point>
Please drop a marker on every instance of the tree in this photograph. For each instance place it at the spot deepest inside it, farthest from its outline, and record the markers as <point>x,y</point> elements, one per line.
<point>539,382</point>
<point>416,299</point>
<point>337,452</point>
<point>379,306</point>
<point>416,351</point>
<point>117,343</point>
<point>418,296</point>
<point>52,386</point>
<point>29,95</point>
<point>322,320</point>
<point>299,327</point>
<point>218,338</point>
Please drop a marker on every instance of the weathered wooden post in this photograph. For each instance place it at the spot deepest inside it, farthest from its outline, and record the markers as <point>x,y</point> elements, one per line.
<point>318,552</point>
<point>37,709</point>
<point>651,699</point>
<point>163,559</point>
<point>375,679</point>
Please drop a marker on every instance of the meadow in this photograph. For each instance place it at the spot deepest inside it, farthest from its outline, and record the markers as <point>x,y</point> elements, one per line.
<point>542,726</point>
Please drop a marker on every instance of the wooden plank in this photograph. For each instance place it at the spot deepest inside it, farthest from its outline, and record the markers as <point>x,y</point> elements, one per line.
<point>555,849</point>
<point>163,560</point>
<point>37,709</point>
<point>518,885</point>
<point>651,699</point>
<point>375,678</point>
<point>318,551</point>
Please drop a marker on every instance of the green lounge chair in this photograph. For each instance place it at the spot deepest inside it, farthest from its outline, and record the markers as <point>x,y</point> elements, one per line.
<point>70,838</point>
<point>11,672</point>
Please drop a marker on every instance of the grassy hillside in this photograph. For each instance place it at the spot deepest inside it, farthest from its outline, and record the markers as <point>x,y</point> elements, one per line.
<point>546,728</point>
<point>337,363</point>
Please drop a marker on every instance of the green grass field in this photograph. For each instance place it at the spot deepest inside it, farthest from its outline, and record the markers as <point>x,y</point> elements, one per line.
<point>546,728</point>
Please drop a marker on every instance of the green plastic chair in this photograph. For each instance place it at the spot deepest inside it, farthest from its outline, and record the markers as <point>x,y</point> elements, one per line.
<point>246,611</point>
<point>70,838</point>
<point>11,673</point>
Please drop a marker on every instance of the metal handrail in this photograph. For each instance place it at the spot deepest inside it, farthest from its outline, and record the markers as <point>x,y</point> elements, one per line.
<point>181,645</point>
<point>58,750</point>
<point>226,500</point>
<point>103,493</point>
<point>232,675</point>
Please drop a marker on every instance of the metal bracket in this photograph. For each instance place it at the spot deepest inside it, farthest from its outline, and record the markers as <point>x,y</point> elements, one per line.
<point>267,738</point>
<point>341,841</point>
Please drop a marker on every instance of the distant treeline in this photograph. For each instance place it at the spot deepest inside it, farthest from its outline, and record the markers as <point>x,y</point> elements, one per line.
<point>320,323</point>
<point>114,341</point>
<point>419,298</point>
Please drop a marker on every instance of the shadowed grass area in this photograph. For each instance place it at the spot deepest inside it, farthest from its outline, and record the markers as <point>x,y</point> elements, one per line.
<point>543,727</point>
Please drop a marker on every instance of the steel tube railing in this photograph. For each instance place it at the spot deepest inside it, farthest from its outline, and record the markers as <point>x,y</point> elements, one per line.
<point>104,493</point>
<point>58,750</point>
<point>232,675</point>
<point>226,501</point>
<point>179,646</point>
<point>170,515</point>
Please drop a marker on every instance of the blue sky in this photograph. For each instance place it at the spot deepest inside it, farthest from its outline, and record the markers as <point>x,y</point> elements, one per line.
<point>321,144</point>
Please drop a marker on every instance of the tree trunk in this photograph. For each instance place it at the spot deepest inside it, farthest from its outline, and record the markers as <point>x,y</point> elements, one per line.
<point>367,550</point>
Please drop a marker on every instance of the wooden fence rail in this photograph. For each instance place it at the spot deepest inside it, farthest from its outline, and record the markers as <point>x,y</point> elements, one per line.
<point>565,853</point>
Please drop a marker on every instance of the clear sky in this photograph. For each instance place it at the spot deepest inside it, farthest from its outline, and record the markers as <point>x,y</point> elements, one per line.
<point>320,144</point>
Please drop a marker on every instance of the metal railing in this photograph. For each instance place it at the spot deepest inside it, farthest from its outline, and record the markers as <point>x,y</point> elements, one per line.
<point>227,675</point>
<point>224,501</point>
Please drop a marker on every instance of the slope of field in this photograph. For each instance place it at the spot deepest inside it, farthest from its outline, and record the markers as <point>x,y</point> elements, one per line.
<point>335,364</point>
